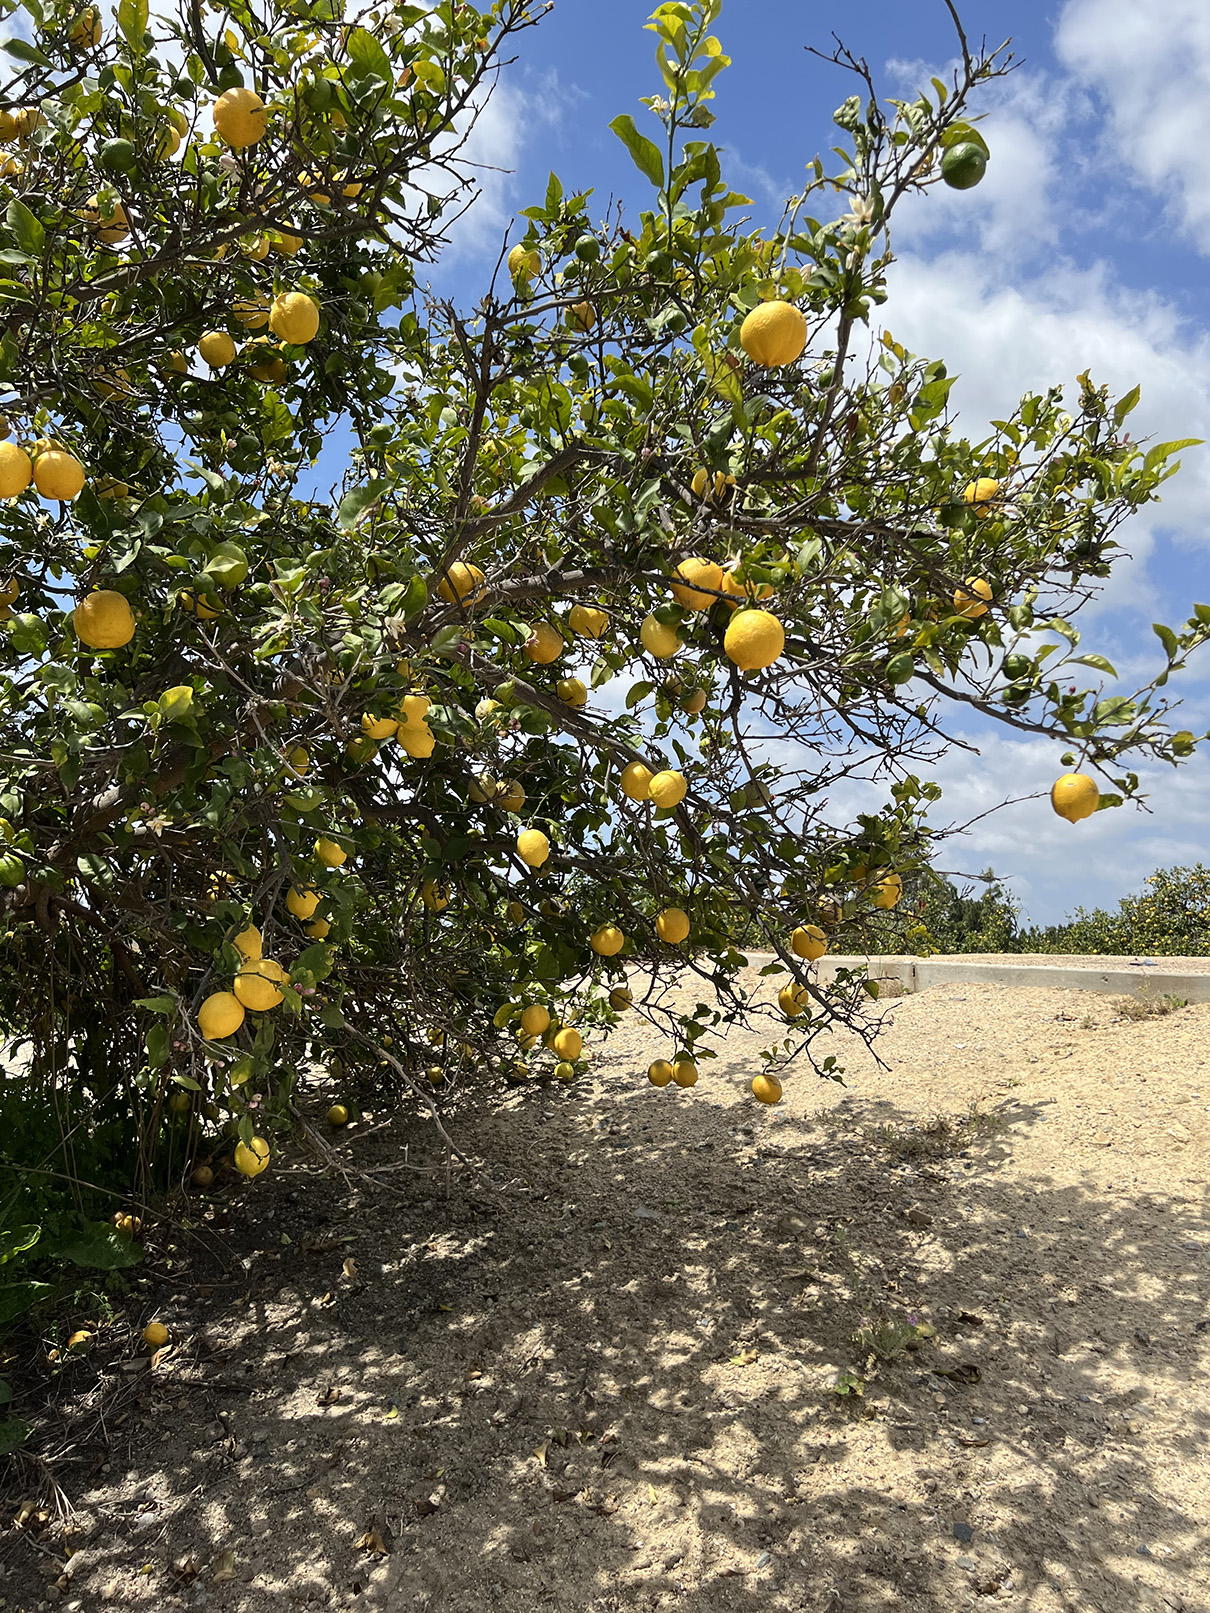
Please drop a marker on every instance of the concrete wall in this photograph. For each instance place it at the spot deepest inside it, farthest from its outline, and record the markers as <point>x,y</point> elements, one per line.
<point>1117,976</point>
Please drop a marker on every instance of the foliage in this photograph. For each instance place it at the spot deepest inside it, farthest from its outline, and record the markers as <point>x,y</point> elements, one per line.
<point>1169,917</point>
<point>590,425</point>
<point>953,919</point>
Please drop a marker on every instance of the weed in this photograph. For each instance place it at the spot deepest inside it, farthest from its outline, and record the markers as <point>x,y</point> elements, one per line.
<point>1145,1006</point>
<point>940,1135</point>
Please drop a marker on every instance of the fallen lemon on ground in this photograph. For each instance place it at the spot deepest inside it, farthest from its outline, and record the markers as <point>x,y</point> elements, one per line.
<point>338,1115</point>
<point>252,1157</point>
<point>155,1335</point>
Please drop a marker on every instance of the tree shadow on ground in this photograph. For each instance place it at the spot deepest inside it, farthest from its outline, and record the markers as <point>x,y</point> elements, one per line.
<point>602,1374</point>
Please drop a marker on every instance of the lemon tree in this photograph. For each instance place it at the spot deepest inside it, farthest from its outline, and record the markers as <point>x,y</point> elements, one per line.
<point>633,564</point>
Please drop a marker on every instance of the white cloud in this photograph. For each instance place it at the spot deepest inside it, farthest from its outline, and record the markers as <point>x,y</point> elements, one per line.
<point>1151,64</point>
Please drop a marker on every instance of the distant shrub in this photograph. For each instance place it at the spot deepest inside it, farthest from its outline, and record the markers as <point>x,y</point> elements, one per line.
<point>949,919</point>
<point>1170,917</point>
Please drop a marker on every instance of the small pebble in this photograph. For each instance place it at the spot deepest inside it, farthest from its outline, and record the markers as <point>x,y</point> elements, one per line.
<point>965,1562</point>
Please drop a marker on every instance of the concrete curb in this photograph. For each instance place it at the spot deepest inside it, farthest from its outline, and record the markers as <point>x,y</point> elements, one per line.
<point>1119,978</point>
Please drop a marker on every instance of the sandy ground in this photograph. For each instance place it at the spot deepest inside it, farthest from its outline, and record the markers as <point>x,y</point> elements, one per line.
<point>602,1370</point>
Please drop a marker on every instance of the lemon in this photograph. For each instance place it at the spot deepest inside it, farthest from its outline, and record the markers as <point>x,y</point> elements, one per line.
<point>378,727</point>
<point>523,264</point>
<point>963,165</point>
<point>338,1115</point>
<point>155,1335</point>
<point>417,739</point>
<point>672,925</point>
<point>659,1073</point>
<point>535,1019</point>
<point>85,32</point>
<point>981,491</point>
<point>287,244</point>
<point>565,1071</point>
<point>888,891</point>
<point>658,640</point>
<point>703,573</point>
<point>294,318</point>
<point>16,470</point>
<point>110,227</point>
<point>318,930</point>
<point>572,692</point>
<point>216,349</point>
<point>754,639</point>
<point>461,582</point>
<point>668,788</point>
<point>510,796</point>
<point>256,984</point>
<point>104,621</point>
<point>330,853</point>
<point>58,475</point>
<point>252,1158</point>
<point>636,781</point>
<point>581,316</point>
<point>587,621</point>
<point>766,1089</point>
<point>684,1073</point>
<point>1075,796</point>
<point>774,333</point>
<point>302,903</point>
<point>620,999</point>
<point>694,703</point>
<point>971,601</point>
<point>240,118</point>
<point>533,847</point>
<point>434,896</point>
<point>545,644</point>
<point>809,941</point>
<point>413,709</point>
<point>568,1044</point>
<point>248,943</point>
<point>792,1000</point>
<point>202,1177</point>
<point>220,1015</point>
<point>608,941</point>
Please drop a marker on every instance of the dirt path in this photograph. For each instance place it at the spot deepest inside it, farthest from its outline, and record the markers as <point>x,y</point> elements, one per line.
<point>602,1373</point>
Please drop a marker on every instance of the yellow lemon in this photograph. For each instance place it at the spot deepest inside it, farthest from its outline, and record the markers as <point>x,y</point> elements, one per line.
<point>248,943</point>
<point>545,644</point>
<point>523,264</point>
<point>257,982</point>
<point>461,582</point>
<point>216,349</point>
<point>317,930</point>
<point>510,797</point>
<point>636,781</point>
<point>16,470</point>
<point>1075,796</point>
<point>220,1015</point>
<point>766,1089</point>
<point>792,1000</point>
<point>888,891</point>
<point>980,492</point>
<point>608,941</point>
<point>533,847</point>
<point>659,1073</point>
<point>85,32</point>
<point>572,692</point>
<point>302,903</point>
<point>684,1073</point>
<point>434,896</point>
<point>417,739</point>
<point>672,925</point>
<point>703,573</point>
<point>240,118</point>
<point>155,1335</point>
<point>104,621</point>
<point>620,999</point>
<point>413,709</point>
<point>668,788</point>
<point>809,941</point>
<point>378,727</point>
<point>287,244</point>
<point>58,475</point>
<point>294,318</point>
<point>111,227</point>
<point>754,639</point>
<point>587,621</point>
<point>971,601</point>
<point>252,312</point>
<point>330,853</point>
<point>338,1115</point>
<point>535,1019</point>
<point>568,1044</point>
<point>774,333</point>
<point>251,1158</point>
<point>659,640</point>
<point>581,316</point>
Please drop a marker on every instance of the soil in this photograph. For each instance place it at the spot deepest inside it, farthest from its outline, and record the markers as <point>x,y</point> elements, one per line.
<point>931,1340</point>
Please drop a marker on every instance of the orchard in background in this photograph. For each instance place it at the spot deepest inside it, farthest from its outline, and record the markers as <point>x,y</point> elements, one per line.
<point>635,563</point>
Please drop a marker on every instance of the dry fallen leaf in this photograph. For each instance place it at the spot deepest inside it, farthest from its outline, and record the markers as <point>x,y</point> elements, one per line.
<point>350,1269</point>
<point>329,1396</point>
<point>964,1372</point>
<point>223,1567</point>
<point>540,1453</point>
<point>373,1542</point>
<point>745,1358</point>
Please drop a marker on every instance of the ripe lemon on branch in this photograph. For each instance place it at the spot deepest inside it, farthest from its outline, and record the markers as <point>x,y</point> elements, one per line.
<point>754,639</point>
<point>607,941</point>
<point>773,334</point>
<point>104,621</point>
<point>1075,796</point>
<point>636,781</point>
<point>240,118</point>
<point>703,573</point>
<point>294,318</point>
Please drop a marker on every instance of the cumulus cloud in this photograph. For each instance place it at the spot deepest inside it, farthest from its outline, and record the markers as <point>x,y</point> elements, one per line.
<point>1150,65</point>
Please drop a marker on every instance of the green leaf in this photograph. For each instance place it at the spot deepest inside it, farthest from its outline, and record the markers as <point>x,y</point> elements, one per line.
<point>1165,450</point>
<point>367,59</point>
<point>554,196</point>
<point>132,20</point>
<point>646,155</point>
<point>1167,638</point>
<point>156,1005</point>
<point>637,694</point>
<point>16,1240</point>
<point>1124,405</point>
<point>1097,662</point>
<point>31,237</point>
<point>99,1247</point>
<point>13,1434</point>
<point>355,502</point>
<point>25,52</point>
<point>16,1298</point>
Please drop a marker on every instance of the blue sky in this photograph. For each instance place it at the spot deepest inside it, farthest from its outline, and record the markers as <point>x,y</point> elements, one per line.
<point>1086,246</point>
